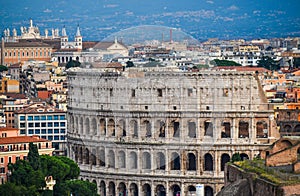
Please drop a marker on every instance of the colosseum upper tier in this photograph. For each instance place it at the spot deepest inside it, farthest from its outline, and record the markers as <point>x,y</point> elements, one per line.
<point>162,132</point>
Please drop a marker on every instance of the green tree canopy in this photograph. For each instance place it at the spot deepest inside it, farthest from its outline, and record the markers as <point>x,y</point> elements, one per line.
<point>3,68</point>
<point>79,187</point>
<point>23,174</point>
<point>129,64</point>
<point>73,63</point>
<point>236,157</point>
<point>218,62</point>
<point>268,63</point>
<point>33,156</point>
<point>52,166</point>
<point>28,177</point>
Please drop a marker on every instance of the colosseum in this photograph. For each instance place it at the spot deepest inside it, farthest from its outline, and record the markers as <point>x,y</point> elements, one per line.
<point>163,131</point>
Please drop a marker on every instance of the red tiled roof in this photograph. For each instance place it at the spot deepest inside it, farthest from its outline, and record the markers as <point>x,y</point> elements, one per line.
<point>15,95</point>
<point>88,44</point>
<point>21,139</point>
<point>25,44</point>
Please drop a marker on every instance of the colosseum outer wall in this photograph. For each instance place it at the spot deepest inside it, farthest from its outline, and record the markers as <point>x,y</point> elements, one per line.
<point>161,132</point>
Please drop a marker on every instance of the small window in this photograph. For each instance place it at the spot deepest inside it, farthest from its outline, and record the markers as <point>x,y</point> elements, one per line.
<point>190,92</point>
<point>160,92</point>
<point>146,107</point>
<point>132,92</point>
<point>225,92</point>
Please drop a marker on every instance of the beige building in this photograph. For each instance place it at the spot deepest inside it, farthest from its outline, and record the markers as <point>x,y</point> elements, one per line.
<point>161,132</point>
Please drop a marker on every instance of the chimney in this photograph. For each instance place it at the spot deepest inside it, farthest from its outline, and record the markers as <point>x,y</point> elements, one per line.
<point>171,36</point>
<point>2,51</point>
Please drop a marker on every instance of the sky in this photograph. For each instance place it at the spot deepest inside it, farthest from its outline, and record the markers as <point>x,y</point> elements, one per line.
<point>200,18</point>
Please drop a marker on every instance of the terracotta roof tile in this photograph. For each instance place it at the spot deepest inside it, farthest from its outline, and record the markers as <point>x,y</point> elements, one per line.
<point>21,139</point>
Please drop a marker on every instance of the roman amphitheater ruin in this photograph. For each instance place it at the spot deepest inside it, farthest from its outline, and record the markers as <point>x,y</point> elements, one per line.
<point>163,131</point>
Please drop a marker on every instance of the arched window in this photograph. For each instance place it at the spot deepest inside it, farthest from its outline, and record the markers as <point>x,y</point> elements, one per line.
<point>102,126</point>
<point>87,126</point>
<point>243,129</point>
<point>161,126</point>
<point>134,128</point>
<point>192,129</point>
<point>208,162</point>
<point>122,189</point>
<point>87,156</point>
<point>102,188</point>
<point>175,161</point>
<point>122,128</point>
<point>208,191</point>
<point>175,190</point>
<point>112,189</point>
<point>81,125</point>
<point>133,189</point>
<point>261,129</point>
<point>133,160</point>
<point>160,190</point>
<point>122,159</point>
<point>147,190</point>
<point>94,126</point>
<point>93,157</point>
<point>175,127</point>
<point>191,190</point>
<point>80,155</point>
<point>244,156</point>
<point>208,128</point>
<point>147,128</point>
<point>102,158</point>
<point>160,161</point>
<point>224,159</point>
<point>146,164</point>
<point>76,125</point>
<point>191,162</point>
<point>111,127</point>
<point>226,133</point>
<point>111,159</point>
<point>297,129</point>
<point>287,128</point>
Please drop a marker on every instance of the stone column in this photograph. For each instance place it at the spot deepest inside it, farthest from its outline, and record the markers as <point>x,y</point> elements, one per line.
<point>252,131</point>
<point>182,192</point>
<point>233,129</point>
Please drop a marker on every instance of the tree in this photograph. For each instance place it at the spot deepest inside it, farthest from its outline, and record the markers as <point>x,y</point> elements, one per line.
<point>218,62</point>
<point>3,68</point>
<point>236,157</point>
<point>73,63</point>
<point>24,175</point>
<point>28,176</point>
<point>296,62</point>
<point>268,63</point>
<point>129,64</point>
<point>74,169</point>
<point>79,187</point>
<point>52,166</point>
<point>33,156</point>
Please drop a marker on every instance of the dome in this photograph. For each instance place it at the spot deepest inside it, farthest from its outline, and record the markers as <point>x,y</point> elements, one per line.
<point>144,33</point>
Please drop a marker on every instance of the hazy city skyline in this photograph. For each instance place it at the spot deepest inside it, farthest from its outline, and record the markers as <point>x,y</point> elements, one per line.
<point>202,19</point>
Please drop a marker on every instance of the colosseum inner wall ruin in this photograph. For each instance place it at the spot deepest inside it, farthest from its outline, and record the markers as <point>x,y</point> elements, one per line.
<point>162,132</point>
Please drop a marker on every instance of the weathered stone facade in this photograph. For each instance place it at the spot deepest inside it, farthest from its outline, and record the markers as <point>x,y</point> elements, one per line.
<point>161,132</point>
